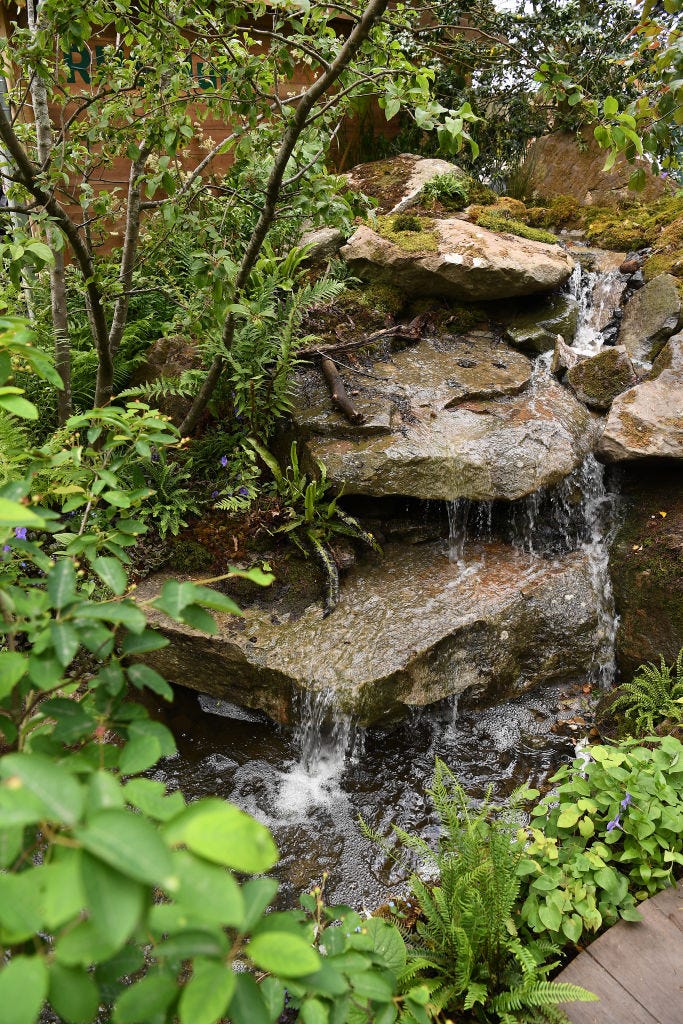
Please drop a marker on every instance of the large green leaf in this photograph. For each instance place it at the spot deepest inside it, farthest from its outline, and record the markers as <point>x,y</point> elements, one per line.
<point>247,1005</point>
<point>20,912</point>
<point>61,885</point>
<point>226,835</point>
<point>205,997</point>
<point>115,902</point>
<point>145,999</point>
<point>142,676</point>
<point>128,843</point>
<point>61,583</point>
<point>284,954</point>
<point>12,513</point>
<point>112,573</point>
<point>12,667</point>
<point>73,994</point>
<point>208,891</point>
<point>150,797</point>
<point>23,988</point>
<point>61,794</point>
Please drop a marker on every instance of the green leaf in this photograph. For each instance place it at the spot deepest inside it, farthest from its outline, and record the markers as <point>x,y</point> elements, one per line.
<point>125,612</point>
<point>150,797</point>
<point>64,641</point>
<point>19,406</point>
<point>205,997</point>
<point>115,902</point>
<point>550,916</point>
<point>610,106</point>
<point>199,619</point>
<point>61,887</point>
<point>60,793</point>
<point>190,942</point>
<point>20,912</point>
<point>112,573</point>
<point>128,843</point>
<point>72,720</point>
<point>82,945</point>
<point>61,584</point>
<point>11,844</point>
<point>226,835</point>
<point>572,927</point>
<point>388,943</point>
<point>313,1011</point>
<point>12,667</point>
<point>284,954</point>
<point>148,742</point>
<point>371,985</point>
<point>23,988</point>
<point>247,1005</point>
<point>12,513</point>
<point>74,996</point>
<point>142,676</point>
<point>569,818</point>
<point>146,999</point>
<point>145,642</point>
<point>209,891</point>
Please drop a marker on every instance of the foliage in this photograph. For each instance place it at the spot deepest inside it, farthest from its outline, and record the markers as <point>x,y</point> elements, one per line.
<point>467,950</point>
<point>609,834</point>
<point>311,518</point>
<point>116,894</point>
<point>654,695</point>
<point>499,221</point>
<point>451,190</point>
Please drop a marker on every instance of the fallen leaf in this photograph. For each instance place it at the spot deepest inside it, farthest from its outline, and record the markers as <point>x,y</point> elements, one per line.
<point>663,515</point>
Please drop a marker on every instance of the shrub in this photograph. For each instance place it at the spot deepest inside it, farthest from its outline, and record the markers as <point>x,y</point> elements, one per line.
<point>607,836</point>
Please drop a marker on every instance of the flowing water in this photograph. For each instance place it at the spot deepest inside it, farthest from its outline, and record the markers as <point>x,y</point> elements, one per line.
<point>311,784</point>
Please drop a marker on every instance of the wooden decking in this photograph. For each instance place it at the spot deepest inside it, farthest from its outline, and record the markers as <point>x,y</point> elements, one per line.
<point>636,969</point>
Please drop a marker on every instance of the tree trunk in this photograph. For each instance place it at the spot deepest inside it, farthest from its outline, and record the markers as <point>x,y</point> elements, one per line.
<point>60,327</point>
<point>320,87</point>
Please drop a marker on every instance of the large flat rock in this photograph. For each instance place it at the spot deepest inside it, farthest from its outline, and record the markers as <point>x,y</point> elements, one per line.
<point>651,316</point>
<point>447,420</point>
<point>460,261</point>
<point>410,629</point>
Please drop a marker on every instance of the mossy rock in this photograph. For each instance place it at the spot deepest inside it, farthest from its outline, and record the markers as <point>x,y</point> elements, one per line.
<point>494,220</point>
<point>635,227</point>
<point>189,556</point>
<point>667,257</point>
<point>419,237</point>
<point>646,565</point>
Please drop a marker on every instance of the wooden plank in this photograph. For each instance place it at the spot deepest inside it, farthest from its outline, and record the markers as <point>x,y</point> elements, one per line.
<point>670,903</point>
<point>616,1006</point>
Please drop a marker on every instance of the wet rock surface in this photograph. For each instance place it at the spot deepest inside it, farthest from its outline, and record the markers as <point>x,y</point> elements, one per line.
<point>447,418</point>
<point>597,381</point>
<point>411,628</point>
<point>646,565</point>
<point>536,330</point>
<point>651,316</point>
<point>459,261</point>
<point>647,421</point>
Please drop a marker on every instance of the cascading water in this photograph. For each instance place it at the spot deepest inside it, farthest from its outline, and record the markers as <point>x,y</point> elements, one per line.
<point>598,295</point>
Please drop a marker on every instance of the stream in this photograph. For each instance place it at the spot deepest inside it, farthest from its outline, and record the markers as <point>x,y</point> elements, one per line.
<point>310,784</point>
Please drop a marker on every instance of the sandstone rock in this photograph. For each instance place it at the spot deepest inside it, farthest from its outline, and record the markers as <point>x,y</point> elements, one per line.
<point>597,381</point>
<point>559,166</point>
<point>651,316</point>
<point>410,629</point>
<point>396,182</point>
<point>564,357</point>
<point>646,565</point>
<point>647,421</point>
<point>168,358</point>
<point>459,261</point>
<point>536,330</point>
<point>466,422</point>
<point>324,243</point>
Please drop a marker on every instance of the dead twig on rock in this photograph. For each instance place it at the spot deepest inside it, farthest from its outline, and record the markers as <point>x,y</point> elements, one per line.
<point>338,391</point>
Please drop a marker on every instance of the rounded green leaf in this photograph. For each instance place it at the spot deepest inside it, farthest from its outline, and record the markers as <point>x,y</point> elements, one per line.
<point>23,988</point>
<point>74,996</point>
<point>145,999</point>
<point>208,890</point>
<point>226,835</point>
<point>12,513</point>
<point>128,843</point>
<point>12,667</point>
<point>61,794</point>
<point>115,902</point>
<point>284,954</point>
<point>205,998</point>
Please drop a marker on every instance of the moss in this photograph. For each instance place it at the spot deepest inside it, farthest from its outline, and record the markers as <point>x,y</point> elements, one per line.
<point>515,207</point>
<point>561,211</point>
<point>495,221</point>
<point>464,317</point>
<point>454,191</point>
<point>189,556</point>
<point>636,227</point>
<point>426,239</point>
<point>406,222</point>
<point>667,257</point>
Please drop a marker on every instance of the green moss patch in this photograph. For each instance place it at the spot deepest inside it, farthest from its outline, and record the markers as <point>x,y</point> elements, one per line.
<point>499,221</point>
<point>632,227</point>
<point>420,237</point>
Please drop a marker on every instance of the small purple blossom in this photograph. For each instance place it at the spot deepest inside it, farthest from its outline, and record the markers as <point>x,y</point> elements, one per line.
<point>243,492</point>
<point>614,823</point>
<point>664,174</point>
<point>628,799</point>
<point>20,532</point>
<point>7,547</point>
<point>214,494</point>
<point>224,461</point>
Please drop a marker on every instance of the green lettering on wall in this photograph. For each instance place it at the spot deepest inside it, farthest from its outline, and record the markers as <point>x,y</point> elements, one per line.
<point>205,81</point>
<point>78,62</point>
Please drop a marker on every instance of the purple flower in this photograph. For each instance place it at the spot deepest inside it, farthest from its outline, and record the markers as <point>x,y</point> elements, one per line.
<point>20,532</point>
<point>243,492</point>
<point>7,547</point>
<point>214,494</point>
<point>614,823</point>
<point>664,174</point>
<point>224,461</point>
<point>626,801</point>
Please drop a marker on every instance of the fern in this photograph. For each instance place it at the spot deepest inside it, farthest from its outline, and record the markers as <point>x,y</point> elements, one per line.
<point>13,447</point>
<point>654,694</point>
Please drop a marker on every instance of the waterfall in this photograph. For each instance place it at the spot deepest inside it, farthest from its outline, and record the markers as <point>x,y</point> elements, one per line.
<point>598,505</point>
<point>598,295</point>
<point>326,738</point>
<point>467,521</point>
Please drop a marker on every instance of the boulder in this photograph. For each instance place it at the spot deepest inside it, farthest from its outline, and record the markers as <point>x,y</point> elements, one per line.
<point>564,357</point>
<point>558,164</point>
<point>651,316</point>
<point>646,565</point>
<point>457,260</point>
<point>324,244</point>
<point>446,418</point>
<point>598,380</point>
<point>396,183</point>
<point>535,330</point>
<point>409,629</point>
<point>166,359</point>
<point>647,421</point>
